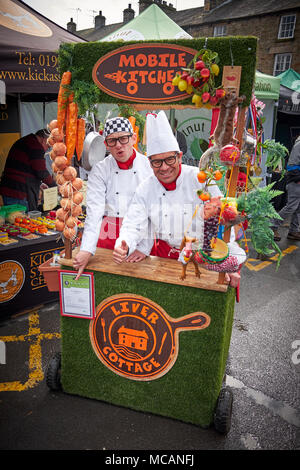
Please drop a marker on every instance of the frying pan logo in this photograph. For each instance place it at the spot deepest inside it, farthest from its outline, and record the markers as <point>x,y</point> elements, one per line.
<point>136,338</point>
<point>12,278</point>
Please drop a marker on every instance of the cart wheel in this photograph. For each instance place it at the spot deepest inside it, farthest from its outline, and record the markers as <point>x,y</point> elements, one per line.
<point>222,418</point>
<point>53,372</point>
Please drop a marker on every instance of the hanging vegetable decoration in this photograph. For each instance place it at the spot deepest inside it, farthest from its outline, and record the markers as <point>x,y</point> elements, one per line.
<point>209,177</point>
<point>62,99</point>
<point>67,132</point>
<point>198,79</point>
<point>137,121</point>
<point>213,253</point>
<point>80,137</point>
<point>229,154</point>
<point>253,209</point>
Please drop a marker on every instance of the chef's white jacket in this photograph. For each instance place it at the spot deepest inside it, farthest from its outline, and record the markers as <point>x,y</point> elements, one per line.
<point>109,193</point>
<point>167,215</point>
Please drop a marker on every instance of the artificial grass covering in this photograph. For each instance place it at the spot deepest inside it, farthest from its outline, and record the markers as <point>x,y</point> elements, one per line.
<point>80,59</point>
<point>189,390</point>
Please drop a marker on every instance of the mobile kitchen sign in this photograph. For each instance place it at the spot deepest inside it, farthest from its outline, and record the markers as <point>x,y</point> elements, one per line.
<point>143,72</point>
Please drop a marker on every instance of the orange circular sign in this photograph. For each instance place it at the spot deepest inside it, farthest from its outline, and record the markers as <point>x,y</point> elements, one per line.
<point>136,338</point>
<point>143,72</point>
<point>12,276</point>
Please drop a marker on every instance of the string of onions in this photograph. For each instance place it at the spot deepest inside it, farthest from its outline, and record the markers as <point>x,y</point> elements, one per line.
<point>69,185</point>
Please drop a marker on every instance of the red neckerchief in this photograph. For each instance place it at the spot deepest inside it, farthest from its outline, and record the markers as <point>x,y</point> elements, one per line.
<point>171,186</point>
<point>126,165</point>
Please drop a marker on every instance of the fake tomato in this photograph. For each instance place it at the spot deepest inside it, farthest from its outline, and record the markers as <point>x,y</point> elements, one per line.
<point>205,197</point>
<point>201,176</point>
<point>217,175</point>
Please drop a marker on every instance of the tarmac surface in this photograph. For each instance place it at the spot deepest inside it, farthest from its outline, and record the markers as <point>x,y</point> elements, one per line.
<point>263,372</point>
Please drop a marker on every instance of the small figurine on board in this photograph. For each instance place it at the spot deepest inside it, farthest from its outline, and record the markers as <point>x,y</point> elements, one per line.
<point>187,254</point>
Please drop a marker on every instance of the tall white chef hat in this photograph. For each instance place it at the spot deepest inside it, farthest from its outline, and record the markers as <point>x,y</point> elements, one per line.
<point>160,138</point>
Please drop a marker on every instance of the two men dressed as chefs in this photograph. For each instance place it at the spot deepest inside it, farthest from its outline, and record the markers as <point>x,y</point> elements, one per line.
<point>158,206</point>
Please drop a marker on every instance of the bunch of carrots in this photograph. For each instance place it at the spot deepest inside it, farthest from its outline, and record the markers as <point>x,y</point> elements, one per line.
<point>67,134</point>
<point>136,129</point>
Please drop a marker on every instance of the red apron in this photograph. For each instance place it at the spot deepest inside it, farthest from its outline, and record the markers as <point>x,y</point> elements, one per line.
<point>164,250</point>
<point>109,232</point>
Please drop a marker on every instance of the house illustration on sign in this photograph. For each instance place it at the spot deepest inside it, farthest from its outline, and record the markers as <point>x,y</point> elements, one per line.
<point>133,338</point>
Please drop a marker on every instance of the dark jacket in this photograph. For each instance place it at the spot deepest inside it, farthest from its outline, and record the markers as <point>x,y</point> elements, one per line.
<point>293,165</point>
<point>25,170</point>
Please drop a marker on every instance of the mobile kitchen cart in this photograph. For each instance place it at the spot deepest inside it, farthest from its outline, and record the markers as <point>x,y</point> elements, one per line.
<point>157,344</point>
<point>187,324</point>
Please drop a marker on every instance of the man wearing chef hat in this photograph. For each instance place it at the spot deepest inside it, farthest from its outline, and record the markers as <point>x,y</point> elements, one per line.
<point>164,203</point>
<point>111,186</point>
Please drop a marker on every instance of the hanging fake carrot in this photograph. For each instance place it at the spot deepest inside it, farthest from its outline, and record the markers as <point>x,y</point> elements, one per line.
<point>71,130</point>
<point>62,99</point>
<point>132,120</point>
<point>67,124</point>
<point>80,137</point>
<point>136,131</point>
<point>70,99</point>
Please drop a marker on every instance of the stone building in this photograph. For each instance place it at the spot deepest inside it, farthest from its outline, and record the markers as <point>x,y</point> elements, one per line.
<point>275,23</point>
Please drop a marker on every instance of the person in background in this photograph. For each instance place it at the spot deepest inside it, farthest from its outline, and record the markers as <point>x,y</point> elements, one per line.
<point>165,202</point>
<point>111,186</point>
<point>292,207</point>
<point>180,138</point>
<point>25,172</point>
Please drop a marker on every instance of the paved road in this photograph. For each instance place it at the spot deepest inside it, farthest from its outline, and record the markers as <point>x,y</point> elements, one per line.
<point>263,371</point>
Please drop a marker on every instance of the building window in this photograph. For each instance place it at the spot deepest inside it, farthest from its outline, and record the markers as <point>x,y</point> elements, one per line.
<point>287,27</point>
<point>282,63</point>
<point>220,31</point>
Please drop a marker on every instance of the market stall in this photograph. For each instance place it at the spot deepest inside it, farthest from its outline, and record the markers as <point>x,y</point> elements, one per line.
<point>120,323</point>
<point>23,248</point>
<point>29,81</point>
<point>288,127</point>
<point>29,74</point>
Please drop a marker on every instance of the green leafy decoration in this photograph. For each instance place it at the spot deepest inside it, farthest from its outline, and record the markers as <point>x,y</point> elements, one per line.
<point>65,57</point>
<point>259,211</point>
<point>276,154</point>
<point>86,95</point>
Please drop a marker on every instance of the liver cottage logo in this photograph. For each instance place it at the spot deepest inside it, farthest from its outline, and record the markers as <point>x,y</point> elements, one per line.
<point>12,278</point>
<point>136,338</point>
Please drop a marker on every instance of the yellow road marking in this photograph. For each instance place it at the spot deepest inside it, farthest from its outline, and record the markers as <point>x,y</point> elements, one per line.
<point>34,336</point>
<point>264,264</point>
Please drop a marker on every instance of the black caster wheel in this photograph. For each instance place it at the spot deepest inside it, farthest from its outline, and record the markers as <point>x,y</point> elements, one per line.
<point>222,417</point>
<point>53,372</point>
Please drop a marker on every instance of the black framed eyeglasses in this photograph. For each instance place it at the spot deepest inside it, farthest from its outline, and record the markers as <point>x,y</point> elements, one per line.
<point>124,139</point>
<point>169,161</point>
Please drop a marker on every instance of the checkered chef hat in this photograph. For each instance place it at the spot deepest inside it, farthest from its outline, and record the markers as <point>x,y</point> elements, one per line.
<point>117,124</point>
